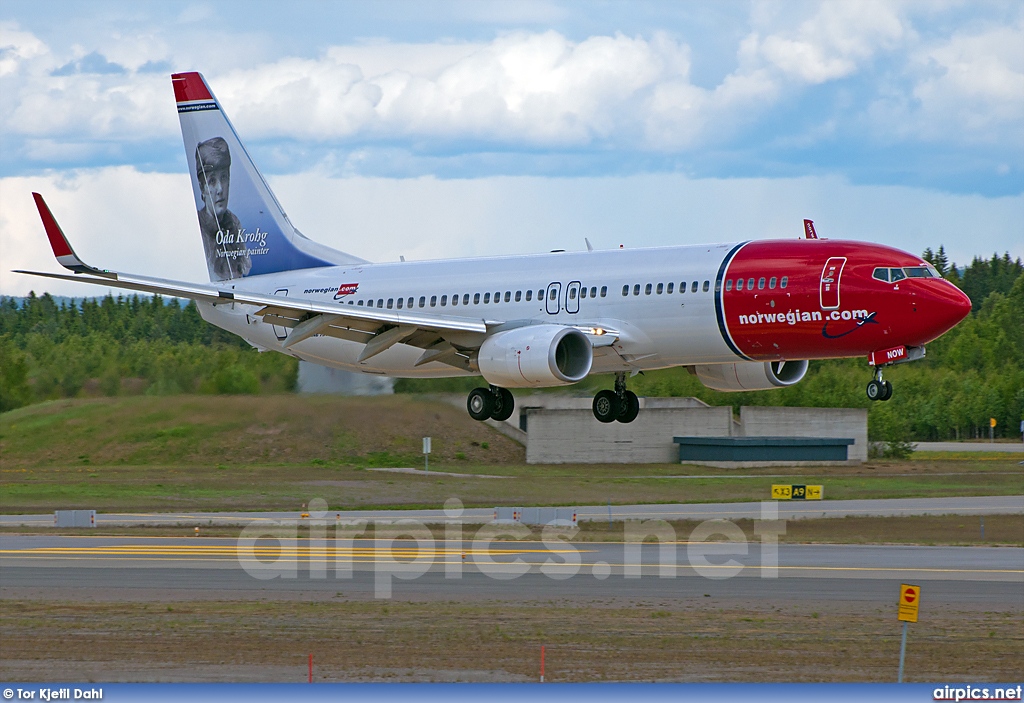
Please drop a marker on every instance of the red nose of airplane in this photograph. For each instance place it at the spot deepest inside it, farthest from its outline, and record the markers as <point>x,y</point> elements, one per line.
<point>947,306</point>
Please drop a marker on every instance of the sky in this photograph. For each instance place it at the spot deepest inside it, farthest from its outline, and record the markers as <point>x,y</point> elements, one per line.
<point>434,129</point>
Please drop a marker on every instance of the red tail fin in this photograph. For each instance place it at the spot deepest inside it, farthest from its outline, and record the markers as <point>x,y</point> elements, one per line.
<point>809,230</point>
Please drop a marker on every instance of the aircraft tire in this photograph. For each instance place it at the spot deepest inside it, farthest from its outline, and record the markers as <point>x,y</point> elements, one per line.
<point>875,390</point>
<point>480,403</point>
<point>504,404</point>
<point>630,407</point>
<point>886,390</point>
<point>606,406</point>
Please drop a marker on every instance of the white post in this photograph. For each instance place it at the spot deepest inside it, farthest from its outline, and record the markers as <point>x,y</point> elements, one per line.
<point>426,454</point>
<point>903,651</point>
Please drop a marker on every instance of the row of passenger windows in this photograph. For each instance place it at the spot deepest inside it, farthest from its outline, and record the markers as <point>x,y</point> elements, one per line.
<point>772,282</point>
<point>487,298</point>
<point>665,288</point>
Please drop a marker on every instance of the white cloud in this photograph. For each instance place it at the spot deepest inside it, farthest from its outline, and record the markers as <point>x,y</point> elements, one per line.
<point>829,44</point>
<point>16,47</point>
<point>122,219</point>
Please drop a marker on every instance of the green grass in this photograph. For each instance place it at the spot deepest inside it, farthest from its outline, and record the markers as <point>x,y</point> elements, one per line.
<point>228,453</point>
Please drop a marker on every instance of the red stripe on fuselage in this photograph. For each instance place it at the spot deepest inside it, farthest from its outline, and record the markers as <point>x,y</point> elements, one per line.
<point>769,324</point>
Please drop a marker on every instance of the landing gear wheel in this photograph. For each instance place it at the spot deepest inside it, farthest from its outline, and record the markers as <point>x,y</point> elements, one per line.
<point>629,407</point>
<point>875,390</point>
<point>886,390</point>
<point>480,403</point>
<point>606,406</point>
<point>504,404</point>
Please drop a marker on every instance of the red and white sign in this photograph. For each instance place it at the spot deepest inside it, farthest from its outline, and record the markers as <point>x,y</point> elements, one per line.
<point>346,289</point>
<point>887,356</point>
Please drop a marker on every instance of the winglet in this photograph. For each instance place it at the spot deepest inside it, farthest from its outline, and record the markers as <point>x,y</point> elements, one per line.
<point>66,256</point>
<point>809,232</point>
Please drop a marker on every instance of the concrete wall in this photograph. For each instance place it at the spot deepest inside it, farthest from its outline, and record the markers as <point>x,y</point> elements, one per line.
<point>561,430</point>
<point>809,422</point>
<point>570,436</point>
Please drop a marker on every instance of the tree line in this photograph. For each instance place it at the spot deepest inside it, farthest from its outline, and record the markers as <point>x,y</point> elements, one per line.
<point>133,344</point>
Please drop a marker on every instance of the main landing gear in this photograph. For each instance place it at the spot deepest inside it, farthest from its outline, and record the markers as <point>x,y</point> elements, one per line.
<point>878,389</point>
<point>494,403</point>
<point>619,404</point>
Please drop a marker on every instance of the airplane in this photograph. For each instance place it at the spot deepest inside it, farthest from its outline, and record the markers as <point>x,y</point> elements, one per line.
<point>741,316</point>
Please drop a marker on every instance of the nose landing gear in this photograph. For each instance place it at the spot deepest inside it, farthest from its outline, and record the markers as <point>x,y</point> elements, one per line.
<point>620,404</point>
<point>494,403</point>
<point>878,389</point>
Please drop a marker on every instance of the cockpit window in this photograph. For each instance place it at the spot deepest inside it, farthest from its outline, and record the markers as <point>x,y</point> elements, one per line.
<point>918,272</point>
<point>896,275</point>
<point>881,274</point>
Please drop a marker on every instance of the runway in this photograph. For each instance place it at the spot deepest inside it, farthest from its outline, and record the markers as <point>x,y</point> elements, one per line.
<point>132,568</point>
<point>976,505</point>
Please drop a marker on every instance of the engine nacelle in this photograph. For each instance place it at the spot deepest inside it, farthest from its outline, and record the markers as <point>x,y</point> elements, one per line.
<point>751,375</point>
<point>536,356</point>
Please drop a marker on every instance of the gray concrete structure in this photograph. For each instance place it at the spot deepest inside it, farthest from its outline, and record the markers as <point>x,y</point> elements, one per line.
<point>809,422</point>
<point>561,430</point>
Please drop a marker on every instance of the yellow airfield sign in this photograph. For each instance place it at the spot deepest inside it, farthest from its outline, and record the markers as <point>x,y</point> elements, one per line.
<point>795,492</point>
<point>910,601</point>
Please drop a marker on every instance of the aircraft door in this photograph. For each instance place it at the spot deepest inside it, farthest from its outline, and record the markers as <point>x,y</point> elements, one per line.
<point>551,298</point>
<point>829,288</point>
<point>281,332</point>
<point>572,298</point>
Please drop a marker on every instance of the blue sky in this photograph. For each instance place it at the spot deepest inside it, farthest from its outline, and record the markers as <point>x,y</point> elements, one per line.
<point>522,126</point>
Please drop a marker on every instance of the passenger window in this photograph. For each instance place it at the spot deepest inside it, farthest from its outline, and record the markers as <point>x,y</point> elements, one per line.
<point>750,284</point>
<point>444,300</point>
<point>896,275</point>
<point>771,283</point>
<point>433,301</point>
<point>553,295</point>
<point>423,301</point>
<point>739,284</point>
<point>540,294</point>
<point>593,291</point>
<point>519,295</point>
<point>476,299</point>
<point>465,298</point>
<point>497,296</point>
<point>380,302</point>
<point>693,288</point>
<point>583,292</point>
<point>760,283</point>
<point>661,288</point>
<point>728,285</point>
<point>529,295</point>
<point>669,289</point>
<point>625,290</point>
<point>784,282</point>
<point>391,302</point>
<point>647,290</point>
<point>572,294</point>
<point>455,299</point>
<point>408,303</point>
<point>604,291</point>
<point>360,303</point>
<point>707,286</point>
<point>487,297</point>
<point>400,302</point>
<point>508,296</point>
<point>636,289</point>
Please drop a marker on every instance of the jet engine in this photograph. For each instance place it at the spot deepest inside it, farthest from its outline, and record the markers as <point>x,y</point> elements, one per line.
<point>751,375</point>
<point>536,356</point>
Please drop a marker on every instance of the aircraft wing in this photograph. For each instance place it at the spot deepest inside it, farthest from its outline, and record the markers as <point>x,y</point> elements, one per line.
<point>443,338</point>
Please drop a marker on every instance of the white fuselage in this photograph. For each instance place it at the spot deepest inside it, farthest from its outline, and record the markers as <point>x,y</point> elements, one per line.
<point>656,329</point>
